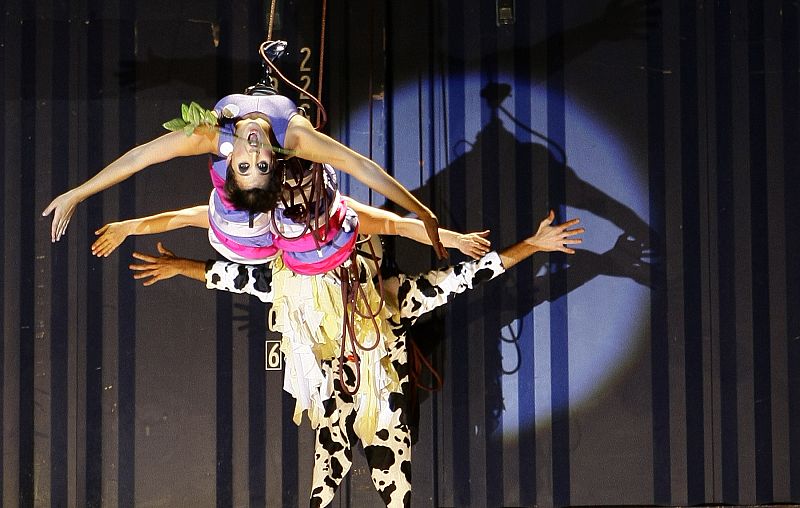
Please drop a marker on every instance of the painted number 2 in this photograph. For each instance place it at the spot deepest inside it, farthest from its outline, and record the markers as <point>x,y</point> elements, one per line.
<point>306,51</point>
<point>305,77</point>
<point>273,360</point>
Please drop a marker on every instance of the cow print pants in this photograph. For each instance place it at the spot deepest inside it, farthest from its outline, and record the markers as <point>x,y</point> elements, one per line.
<point>389,455</point>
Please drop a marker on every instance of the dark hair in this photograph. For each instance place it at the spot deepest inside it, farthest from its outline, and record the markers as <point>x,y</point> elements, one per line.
<point>256,199</point>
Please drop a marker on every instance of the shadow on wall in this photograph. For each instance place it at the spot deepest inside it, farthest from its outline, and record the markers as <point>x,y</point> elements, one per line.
<point>535,165</point>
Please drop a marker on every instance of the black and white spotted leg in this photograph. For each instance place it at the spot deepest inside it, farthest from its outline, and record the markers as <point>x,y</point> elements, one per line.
<point>333,454</point>
<point>389,459</point>
<point>389,456</point>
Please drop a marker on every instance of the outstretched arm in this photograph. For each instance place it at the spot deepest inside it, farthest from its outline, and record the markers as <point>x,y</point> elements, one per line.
<point>417,295</point>
<point>548,238</point>
<point>420,294</point>
<point>166,265</point>
<point>318,147</point>
<point>375,221</point>
<point>114,233</point>
<point>163,148</point>
<point>223,275</point>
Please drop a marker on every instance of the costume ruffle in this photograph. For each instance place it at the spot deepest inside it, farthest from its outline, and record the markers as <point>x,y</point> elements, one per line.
<point>307,312</point>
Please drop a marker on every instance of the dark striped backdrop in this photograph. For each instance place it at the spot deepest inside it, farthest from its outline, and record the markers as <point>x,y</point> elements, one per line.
<point>660,365</point>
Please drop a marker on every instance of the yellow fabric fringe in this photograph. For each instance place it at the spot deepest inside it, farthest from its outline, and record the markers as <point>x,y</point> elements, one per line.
<point>307,311</point>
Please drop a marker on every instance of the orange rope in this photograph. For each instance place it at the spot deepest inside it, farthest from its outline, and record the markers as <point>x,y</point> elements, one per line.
<point>271,18</point>
<point>418,361</point>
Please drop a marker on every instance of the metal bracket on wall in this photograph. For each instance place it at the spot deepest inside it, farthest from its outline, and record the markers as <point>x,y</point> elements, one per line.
<point>505,12</point>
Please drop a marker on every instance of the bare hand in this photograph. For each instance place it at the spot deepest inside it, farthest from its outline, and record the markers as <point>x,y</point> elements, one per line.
<point>63,206</point>
<point>474,245</point>
<point>432,228</point>
<point>111,236</point>
<point>555,238</point>
<point>157,268</point>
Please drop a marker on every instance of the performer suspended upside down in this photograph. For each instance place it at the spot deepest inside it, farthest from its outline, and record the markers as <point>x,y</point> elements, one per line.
<point>267,202</point>
<point>247,178</point>
<point>274,183</point>
<point>388,449</point>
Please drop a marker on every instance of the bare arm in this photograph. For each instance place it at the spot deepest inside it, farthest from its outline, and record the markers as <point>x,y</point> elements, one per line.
<point>374,221</point>
<point>547,239</point>
<point>413,302</point>
<point>165,266</point>
<point>315,146</point>
<point>163,148</point>
<point>113,234</point>
<point>222,275</point>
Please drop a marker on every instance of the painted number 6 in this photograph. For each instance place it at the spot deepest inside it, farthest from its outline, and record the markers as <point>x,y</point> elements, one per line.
<point>273,360</point>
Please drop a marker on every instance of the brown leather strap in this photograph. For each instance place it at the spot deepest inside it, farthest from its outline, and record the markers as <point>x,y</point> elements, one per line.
<point>418,361</point>
<point>312,202</point>
<point>352,293</point>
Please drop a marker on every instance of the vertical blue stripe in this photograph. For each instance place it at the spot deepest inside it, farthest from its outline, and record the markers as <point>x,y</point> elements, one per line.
<point>762,384</point>
<point>27,229</point>
<point>60,307</point>
<point>692,304</point>
<point>559,334</point>
<point>726,233</point>
<point>791,180</point>
<point>126,293</point>
<point>432,115</point>
<point>524,271</point>
<point>256,465</point>
<point>224,367</point>
<point>389,92</point>
<point>493,293</point>
<point>224,394</point>
<point>659,349</point>
<point>423,125</point>
<point>3,63</point>
<point>94,270</point>
<point>344,186</point>
<point>289,458</point>
<point>459,331</point>
<point>437,81</point>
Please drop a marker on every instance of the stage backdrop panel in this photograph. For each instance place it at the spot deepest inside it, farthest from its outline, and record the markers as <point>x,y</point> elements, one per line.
<point>658,365</point>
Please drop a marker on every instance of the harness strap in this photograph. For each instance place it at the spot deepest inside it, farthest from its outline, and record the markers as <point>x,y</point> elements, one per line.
<point>352,293</point>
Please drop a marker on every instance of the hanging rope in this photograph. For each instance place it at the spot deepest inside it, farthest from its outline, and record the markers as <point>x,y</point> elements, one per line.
<point>321,54</point>
<point>261,51</point>
<point>322,115</point>
<point>306,207</point>
<point>271,19</point>
<point>418,362</point>
<point>370,92</point>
